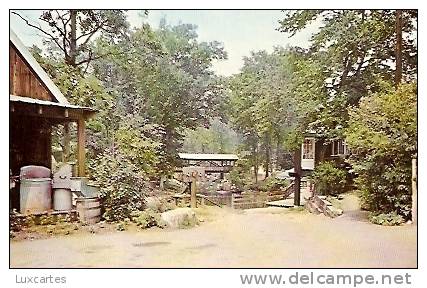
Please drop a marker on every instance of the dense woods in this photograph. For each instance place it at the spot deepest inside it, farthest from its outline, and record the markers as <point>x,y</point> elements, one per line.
<point>156,94</point>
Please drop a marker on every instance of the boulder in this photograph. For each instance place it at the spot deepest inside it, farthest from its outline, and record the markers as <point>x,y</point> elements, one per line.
<point>153,203</point>
<point>179,218</point>
<point>174,184</point>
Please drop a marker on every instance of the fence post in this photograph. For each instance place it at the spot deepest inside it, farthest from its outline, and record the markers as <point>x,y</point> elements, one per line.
<point>414,191</point>
<point>193,199</point>
<point>232,200</point>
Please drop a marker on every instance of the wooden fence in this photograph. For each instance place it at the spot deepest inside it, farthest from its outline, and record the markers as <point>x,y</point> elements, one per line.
<point>247,200</point>
<point>244,200</point>
<point>219,200</point>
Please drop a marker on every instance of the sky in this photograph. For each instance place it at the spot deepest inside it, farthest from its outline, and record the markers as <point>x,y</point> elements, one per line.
<point>240,31</point>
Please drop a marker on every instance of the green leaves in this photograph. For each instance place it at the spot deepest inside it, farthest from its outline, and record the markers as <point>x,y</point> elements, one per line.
<point>382,132</point>
<point>350,52</point>
<point>330,179</point>
<point>123,185</point>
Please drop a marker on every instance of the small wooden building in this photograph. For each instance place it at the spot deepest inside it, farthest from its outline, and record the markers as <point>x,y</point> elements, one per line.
<point>36,104</point>
<point>315,150</point>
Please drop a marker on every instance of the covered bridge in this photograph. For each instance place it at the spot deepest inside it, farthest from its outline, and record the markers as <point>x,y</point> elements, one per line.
<point>213,163</point>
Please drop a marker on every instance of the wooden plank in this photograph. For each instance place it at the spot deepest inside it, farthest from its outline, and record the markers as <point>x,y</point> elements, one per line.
<point>81,146</point>
<point>23,82</point>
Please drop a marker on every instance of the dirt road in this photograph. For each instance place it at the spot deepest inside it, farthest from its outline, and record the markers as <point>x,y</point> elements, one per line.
<point>268,237</point>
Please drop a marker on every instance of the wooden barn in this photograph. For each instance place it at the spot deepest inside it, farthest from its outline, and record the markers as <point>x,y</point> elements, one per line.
<point>36,105</point>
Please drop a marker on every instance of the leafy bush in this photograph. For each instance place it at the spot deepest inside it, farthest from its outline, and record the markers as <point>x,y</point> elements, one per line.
<point>329,179</point>
<point>382,133</point>
<point>122,225</point>
<point>272,184</point>
<point>123,186</point>
<point>239,176</point>
<point>387,219</point>
<point>148,218</point>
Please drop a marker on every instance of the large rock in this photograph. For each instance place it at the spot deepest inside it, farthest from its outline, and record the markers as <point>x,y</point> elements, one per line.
<point>179,218</point>
<point>153,203</point>
<point>176,185</point>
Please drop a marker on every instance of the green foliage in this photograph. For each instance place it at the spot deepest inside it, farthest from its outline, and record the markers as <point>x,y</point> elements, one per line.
<point>122,225</point>
<point>163,76</point>
<point>261,103</point>
<point>123,186</point>
<point>70,33</point>
<point>272,184</point>
<point>329,179</point>
<point>350,53</point>
<point>148,218</point>
<point>240,176</point>
<point>387,219</point>
<point>382,133</point>
<point>217,138</point>
<point>351,50</point>
<point>293,140</point>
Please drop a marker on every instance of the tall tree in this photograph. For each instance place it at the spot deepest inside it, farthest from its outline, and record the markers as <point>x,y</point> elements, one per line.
<point>261,104</point>
<point>398,47</point>
<point>164,76</point>
<point>351,51</point>
<point>72,31</point>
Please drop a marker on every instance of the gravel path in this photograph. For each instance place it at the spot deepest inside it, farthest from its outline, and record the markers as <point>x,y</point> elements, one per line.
<point>267,237</point>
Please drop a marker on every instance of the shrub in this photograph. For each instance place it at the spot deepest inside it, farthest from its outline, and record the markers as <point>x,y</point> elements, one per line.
<point>329,179</point>
<point>121,226</point>
<point>123,186</point>
<point>383,133</point>
<point>239,176</point>
<point>272,184</point>
<point>148,218</point>
<point>387,219</point>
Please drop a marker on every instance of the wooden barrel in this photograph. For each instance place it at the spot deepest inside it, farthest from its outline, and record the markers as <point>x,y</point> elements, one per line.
<point>89,209</point>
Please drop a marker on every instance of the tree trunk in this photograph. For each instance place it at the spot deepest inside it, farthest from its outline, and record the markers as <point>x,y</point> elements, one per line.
<point>398,75</point>
<point>73,39</point>
<point>267,162</point>
<point>298,174</point>
<point>321,153</point>
<point>278,150</point>
<point>255,163</point>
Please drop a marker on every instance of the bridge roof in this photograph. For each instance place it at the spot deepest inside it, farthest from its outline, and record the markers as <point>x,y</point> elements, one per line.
<point>200,156</point>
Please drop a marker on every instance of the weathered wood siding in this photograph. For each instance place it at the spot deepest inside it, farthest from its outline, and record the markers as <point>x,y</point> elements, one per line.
<point>29,142</point>
<point>22,81</point>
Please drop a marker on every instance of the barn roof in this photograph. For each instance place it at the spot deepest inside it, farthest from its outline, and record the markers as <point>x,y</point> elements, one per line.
<point>37,69</point>
<point>200,156</point>
<point>27,100</point>
<point>60,112</point>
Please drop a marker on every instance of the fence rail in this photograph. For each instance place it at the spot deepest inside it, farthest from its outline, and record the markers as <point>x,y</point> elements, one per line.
<point>247,200</point>
<point>222,200</point>
<point>244,200</point>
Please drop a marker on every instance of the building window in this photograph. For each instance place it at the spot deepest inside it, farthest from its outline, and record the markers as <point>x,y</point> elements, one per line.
<point>308,149</point>
<point>338,147</point>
